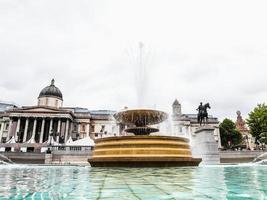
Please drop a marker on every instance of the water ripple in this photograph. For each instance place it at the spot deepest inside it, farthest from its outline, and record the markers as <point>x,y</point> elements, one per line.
<point>69,182</point>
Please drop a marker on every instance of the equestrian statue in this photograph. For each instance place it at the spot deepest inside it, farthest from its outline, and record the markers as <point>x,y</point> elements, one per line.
<point>202,116</point>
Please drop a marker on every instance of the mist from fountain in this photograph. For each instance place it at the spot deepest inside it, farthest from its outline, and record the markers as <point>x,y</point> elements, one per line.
<point>139,61</point>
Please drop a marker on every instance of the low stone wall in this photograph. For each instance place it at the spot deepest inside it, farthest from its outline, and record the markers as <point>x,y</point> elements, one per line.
<point>239,156</point>
<point>53,158</point>
<point>68,157</point>
<point>81,157</point>
<point>25,158</point>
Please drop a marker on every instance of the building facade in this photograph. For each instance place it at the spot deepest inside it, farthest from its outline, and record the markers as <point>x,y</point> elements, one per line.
<point>35,124</point>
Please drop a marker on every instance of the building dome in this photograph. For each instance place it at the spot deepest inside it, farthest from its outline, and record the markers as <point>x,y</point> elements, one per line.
<point>51,91</point>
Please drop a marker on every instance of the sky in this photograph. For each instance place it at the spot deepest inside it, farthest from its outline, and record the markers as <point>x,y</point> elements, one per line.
<point>195,51</point>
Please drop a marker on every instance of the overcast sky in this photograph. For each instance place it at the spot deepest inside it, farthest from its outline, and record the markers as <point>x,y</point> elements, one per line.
<point>210,51</point>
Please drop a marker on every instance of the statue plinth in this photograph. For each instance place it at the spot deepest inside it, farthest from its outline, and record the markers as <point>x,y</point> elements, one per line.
<point>206,128</point>
<point>205,146</point>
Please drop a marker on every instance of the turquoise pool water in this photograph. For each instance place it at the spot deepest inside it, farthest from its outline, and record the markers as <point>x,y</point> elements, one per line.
<point>52,182</point>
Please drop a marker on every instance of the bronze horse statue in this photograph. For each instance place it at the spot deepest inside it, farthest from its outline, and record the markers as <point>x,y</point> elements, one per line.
<point>202,116</point>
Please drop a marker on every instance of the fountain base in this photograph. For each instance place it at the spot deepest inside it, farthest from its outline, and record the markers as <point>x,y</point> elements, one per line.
<point>141,130</point>
<point>142,151</point>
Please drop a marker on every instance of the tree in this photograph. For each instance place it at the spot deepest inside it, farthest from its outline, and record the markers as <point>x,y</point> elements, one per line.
<point>230,136</point>
<point>257,122</point>
<point>263,138</point>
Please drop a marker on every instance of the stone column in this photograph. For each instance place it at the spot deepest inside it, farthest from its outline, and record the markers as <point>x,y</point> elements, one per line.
<point>9,129</point>
<point>42,131</point>
<point>67,131</point>
<point>17,129</point>
<point>50,131</point>
<point>1,131</point>
<point>79,129</point>
<point>34,128</point>
<point>87,130</point>
<point>51,126</point>
<point>26,130</point>
<point>71,128</point>
<point>58,129</point>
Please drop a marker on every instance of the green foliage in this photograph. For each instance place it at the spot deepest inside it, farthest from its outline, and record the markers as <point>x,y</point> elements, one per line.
<point>257,122</point>
<point>263,137</point>
<point>230,136</point>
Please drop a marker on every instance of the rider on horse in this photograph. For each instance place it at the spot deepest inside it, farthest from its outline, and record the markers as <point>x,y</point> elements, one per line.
<point>202,113</point>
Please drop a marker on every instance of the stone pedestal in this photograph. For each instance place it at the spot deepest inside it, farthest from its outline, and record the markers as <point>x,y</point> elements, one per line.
<point>48,158</point>
<point>204,146</point>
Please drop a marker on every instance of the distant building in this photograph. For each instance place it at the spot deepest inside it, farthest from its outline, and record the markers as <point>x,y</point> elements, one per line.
<point>185,125</point>
<point>35,124</point>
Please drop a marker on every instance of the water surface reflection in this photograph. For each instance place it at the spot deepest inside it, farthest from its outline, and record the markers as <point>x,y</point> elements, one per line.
<point>216,182</point>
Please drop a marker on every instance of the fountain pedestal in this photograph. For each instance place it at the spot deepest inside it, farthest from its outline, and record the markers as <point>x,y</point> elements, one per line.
<point>142,151</point>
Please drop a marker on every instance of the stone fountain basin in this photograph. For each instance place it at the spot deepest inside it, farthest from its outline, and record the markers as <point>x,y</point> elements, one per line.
<point>140,117</point>
<point>142,151</point>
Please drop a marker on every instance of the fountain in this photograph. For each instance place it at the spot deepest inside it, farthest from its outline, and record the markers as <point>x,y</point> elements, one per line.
<point>139,119</point>
<point>142,149</point>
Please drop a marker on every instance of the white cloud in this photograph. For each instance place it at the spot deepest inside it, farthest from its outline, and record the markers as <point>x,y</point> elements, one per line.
<point>200,51</point>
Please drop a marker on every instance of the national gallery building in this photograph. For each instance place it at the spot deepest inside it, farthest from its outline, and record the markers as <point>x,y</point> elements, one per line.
<point>34,124</point>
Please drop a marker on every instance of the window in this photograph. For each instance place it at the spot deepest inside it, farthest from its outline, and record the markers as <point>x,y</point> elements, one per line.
<point>46,101</point>
<point>56,103</point>
<point>75,127</point>
<point>92,128</point>
<point>83,128</point>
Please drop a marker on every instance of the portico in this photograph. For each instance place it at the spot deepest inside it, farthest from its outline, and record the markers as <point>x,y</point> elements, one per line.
<point>36,124</point>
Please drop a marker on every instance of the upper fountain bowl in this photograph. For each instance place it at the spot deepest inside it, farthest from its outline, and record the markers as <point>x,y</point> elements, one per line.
<point>140,117</point>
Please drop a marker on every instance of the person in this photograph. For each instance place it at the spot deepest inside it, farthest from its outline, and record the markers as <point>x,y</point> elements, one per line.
<point>48,151</point>
<point>200,108</point>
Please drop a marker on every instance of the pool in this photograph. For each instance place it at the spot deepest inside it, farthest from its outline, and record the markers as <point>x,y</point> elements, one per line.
<point>72,182</point>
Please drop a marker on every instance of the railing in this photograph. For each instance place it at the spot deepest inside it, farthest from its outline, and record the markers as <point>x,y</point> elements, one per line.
<point>71,148</point>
